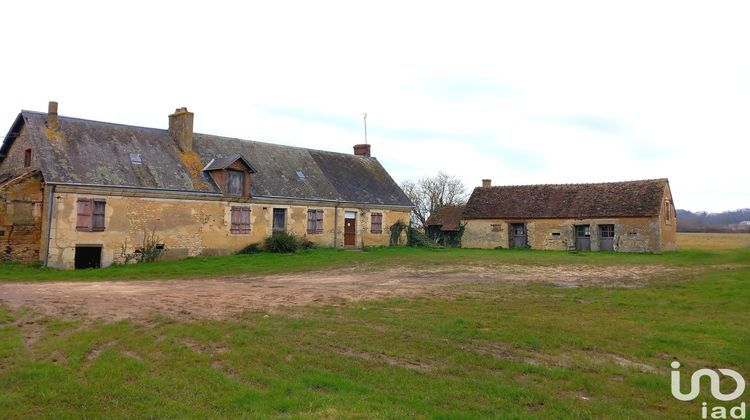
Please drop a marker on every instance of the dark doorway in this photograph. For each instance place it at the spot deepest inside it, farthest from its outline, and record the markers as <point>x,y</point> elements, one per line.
<point>583,237</point>
<point>279,220</point>
<point>518,235</point>
<point>607,237</point>
<point>350,230</point>
<point>88,257</point>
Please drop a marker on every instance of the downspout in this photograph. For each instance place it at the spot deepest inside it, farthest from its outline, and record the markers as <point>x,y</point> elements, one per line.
<point>336,225</point>
<point>50,206</point>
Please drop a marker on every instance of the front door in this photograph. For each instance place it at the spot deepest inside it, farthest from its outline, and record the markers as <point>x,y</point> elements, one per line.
<point>583,238</point>
<point>350,230</point>
<point>518,235</point>
<point>607,237</point>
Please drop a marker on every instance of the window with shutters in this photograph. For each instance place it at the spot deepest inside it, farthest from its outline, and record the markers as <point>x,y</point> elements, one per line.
<point>376,223</point>
<point>235,182</point>
<point>315,221</point>
<point>90,214</point>
<point>240,220</point>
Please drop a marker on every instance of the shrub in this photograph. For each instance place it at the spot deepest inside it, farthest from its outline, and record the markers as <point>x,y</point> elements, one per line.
<point>306,244</point>
<point>418,239</point>
<point>253,248</point>
<point>281,242</point>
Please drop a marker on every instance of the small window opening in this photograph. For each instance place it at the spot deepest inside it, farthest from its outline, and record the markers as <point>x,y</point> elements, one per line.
<point>135,159</point>
<point>27,158</point>
<point>555,233</point>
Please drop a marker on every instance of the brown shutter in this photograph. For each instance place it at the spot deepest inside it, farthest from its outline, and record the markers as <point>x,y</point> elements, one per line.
<point>376,223</point>
<point>311,221</point>
<point>319,221</point>
<point>245,220</point>
<point>97,219</point>
<point>240,223</point>
<point>85,212</point>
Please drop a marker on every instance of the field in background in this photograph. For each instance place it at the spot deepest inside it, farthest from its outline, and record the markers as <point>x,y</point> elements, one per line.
<point>687,240</point>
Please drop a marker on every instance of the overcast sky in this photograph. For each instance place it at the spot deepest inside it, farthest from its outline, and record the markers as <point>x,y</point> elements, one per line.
<point>519,92</point>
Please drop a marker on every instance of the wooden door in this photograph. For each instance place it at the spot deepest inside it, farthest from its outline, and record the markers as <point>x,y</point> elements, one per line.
<point>350,230</point>
<point>607,237</point>
<point>518,237</point>
<point>583,238</point>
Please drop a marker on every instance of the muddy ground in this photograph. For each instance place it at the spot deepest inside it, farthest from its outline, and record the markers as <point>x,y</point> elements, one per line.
<point>226,297</point>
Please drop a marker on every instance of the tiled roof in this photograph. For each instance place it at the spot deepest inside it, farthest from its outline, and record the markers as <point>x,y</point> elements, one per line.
<point>447,217</point>
<point>99,153</point>
<point>611,199</point>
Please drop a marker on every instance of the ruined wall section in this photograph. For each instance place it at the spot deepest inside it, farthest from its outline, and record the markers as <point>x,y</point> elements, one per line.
<point>21,209</point>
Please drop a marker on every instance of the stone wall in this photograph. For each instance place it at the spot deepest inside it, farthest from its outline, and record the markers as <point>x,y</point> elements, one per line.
<point>197,227</point>
<point>21,209</point>
<point>13,163</point>
<point>632,234</point>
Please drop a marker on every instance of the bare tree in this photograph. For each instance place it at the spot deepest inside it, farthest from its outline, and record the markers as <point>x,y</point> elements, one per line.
<point>429,194</point>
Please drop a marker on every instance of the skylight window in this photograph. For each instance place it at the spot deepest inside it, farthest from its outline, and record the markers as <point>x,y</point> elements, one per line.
<point>300,175</point>
<point>135,158</point>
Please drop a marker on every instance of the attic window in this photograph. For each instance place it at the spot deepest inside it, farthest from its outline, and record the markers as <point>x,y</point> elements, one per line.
<point>300,175</point>
<point>135,158</point>
<point>27,158</point>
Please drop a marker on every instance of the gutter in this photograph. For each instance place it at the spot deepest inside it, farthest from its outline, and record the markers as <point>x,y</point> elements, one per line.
<point>336,225</point>
<point>48,234</point>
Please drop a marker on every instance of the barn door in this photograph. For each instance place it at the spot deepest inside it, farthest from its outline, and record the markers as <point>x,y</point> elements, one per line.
<point>607,237</point>
<point>583,238</point>
<point>350,230</point>
<point>518,235</point>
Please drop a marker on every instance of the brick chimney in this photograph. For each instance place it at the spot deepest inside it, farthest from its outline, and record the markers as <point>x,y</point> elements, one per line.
<point>52,122</point>
<point>181,128</point>
<point>362,150</point>
<point>486,183</point>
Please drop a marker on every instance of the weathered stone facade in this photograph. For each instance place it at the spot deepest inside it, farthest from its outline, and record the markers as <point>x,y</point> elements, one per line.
<point>82,193</point>
<point>648,233</point>
<point>198,227</point>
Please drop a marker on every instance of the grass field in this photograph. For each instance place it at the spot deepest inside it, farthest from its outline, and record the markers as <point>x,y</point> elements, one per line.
<point>488,349</point>
<point>713,240</point>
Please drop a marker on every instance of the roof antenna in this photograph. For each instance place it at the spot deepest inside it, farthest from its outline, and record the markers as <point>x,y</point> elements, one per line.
<point>364,117</point>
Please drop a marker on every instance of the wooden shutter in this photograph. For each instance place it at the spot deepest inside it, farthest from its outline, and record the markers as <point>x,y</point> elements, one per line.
<point>97,219</point>
<point>319,221</point>
<point>235,181</point>
<point>311,221</point>
<point>85,213</point>
<point>240,223</point>
<point>376,223</point>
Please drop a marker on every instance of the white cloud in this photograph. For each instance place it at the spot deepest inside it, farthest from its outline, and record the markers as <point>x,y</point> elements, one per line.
<point>518,91</point>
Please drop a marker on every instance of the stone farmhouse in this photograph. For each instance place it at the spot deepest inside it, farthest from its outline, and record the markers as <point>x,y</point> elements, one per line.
<point>80,193</point>
<point>632,216</point>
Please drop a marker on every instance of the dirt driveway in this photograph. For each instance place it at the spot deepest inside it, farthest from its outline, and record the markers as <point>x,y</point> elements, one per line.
<point>225,297</point>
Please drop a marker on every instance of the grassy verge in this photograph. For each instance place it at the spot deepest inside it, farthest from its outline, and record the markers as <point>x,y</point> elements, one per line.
<point>496,350</point>
<point>374,259</point>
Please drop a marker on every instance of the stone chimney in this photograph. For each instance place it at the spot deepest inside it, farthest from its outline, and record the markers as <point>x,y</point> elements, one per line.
<point>181,128</point>
<point>52,122</point>
<point>486,183</point>
<point>362,150</point>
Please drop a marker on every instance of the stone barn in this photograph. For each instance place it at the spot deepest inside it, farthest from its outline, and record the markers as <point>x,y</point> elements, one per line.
<point>632,216</point>
<point>82,193</point>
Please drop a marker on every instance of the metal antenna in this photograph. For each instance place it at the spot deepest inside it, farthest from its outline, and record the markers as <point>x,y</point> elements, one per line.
<point>365,120</point>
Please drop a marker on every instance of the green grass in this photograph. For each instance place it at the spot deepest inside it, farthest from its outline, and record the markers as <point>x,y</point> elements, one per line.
<point>507,351</point>
<point>376,258</point>
<point>489,350</point>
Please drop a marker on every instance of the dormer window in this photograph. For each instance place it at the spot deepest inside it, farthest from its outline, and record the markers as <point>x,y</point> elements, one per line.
<point>231,174</point>
<point>235,182</point>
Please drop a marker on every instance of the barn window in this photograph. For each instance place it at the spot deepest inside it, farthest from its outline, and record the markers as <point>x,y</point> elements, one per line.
<point>607,231</point>
<point>27,158</point>
<point>315,221</point>
<point>376,223</point>
<point>279,220</point>
<point>667,211</point>
<point>90,214</point>
<point>235,182</point>
<point>240,223</point>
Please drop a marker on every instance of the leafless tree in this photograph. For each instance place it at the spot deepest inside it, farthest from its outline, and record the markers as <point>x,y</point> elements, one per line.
<point>429,194</point>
